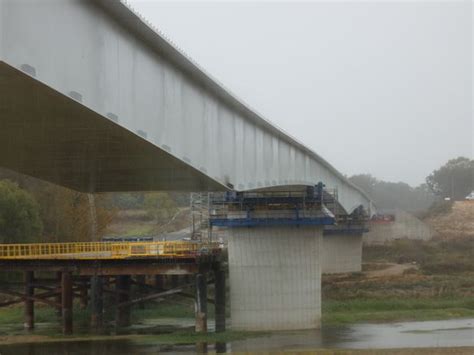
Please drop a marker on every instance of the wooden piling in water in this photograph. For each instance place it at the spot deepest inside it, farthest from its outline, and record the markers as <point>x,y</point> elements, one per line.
<point>201,303</point>
<point>84,299</point>
<point>140,288</point>
<point>97,303</point>
<point>160,282</point>
<point>67,300</point>
<point>29,302</point>
<point>59,310</point>
<point>219,276</point>
<point>174,281</point>
<point>122,318</point>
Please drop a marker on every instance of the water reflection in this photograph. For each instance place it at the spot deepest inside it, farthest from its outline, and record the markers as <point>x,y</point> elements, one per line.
<point>448,333</point>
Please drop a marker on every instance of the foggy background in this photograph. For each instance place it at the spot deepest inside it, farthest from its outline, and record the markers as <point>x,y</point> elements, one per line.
<point>374,87</point>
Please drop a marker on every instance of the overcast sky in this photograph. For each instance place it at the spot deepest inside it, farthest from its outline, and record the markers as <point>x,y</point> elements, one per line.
<point>374,87</point>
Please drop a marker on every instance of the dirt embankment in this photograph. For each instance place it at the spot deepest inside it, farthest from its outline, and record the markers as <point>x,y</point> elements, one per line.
<point>456,223</point>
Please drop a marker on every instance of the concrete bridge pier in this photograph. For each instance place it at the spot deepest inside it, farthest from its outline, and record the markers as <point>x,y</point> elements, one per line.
<point>342,249</point>
<point>275,277</point>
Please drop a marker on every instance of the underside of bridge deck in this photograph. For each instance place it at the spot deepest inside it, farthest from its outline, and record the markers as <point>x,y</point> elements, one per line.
<point>48,135</point>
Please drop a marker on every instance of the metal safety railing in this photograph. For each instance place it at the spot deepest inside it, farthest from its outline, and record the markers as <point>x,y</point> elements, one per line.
<point>106,250</point>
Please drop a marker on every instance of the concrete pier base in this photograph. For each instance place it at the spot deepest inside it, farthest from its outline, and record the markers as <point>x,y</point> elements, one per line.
<point>342,253</point>
<point>275,277</point>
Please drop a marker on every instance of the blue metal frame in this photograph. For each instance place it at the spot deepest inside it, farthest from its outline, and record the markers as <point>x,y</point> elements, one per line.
<point>346,231</point>
<point>264,222</point>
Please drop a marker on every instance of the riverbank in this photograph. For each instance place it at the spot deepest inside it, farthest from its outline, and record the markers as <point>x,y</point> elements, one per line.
<point>405,280</point>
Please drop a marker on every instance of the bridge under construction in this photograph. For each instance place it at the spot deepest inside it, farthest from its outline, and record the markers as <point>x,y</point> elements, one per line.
<point>103,102</point>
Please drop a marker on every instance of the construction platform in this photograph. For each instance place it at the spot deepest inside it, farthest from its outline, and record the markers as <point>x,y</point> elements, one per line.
<point>135,272</point>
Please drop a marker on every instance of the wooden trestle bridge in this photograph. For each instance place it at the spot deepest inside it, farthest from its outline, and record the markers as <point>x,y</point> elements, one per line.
<point>85,271</point>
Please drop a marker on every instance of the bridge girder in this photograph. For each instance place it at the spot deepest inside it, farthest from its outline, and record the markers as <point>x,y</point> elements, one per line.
<point>95,99</point>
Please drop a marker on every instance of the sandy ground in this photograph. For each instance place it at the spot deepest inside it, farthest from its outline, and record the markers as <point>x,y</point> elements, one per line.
<point>458,223</point>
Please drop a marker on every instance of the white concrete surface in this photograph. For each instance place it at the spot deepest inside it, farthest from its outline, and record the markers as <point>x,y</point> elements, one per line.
<point>405,226</point>
<point>341,253</point>
<point>275,277</point>
<point>136,87</point>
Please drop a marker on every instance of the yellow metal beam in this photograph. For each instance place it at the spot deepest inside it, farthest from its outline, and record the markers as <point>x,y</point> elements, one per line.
<point>105,250</point>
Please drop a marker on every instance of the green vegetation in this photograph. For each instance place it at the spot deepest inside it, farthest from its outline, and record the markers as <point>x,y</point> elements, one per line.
<point>160,207</point>
<point>178,308</point>
<point>392,195</point>
<point>19,214</point>
<point>454,179</point>
<point>439,285</point>
<point>437,257</point>
<point>395,309</point>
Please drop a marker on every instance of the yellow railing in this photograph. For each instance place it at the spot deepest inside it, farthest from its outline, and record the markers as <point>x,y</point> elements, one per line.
<point>105,250</point>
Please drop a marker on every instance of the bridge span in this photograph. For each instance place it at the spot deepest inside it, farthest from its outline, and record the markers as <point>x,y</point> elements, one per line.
<point>93,98</point>
<point>118,107</point>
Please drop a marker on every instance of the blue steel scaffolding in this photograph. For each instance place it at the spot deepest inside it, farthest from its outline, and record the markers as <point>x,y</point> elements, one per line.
<point>272,208</point>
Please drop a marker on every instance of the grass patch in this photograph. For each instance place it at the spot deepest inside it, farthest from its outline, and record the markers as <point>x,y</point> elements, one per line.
<point>387,310</point>
<point>178,307</point>
<point>140,229</point>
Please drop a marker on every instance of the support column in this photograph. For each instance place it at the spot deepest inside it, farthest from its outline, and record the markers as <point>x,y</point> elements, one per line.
<point>83,294</point>
<point>219,276</point>
<point>67,298</point>
<point>29,303</point>
<point>342,253</point>
<point>174,281</point>
<point>97,303</point>
<point>200,304</point>
<point>141,280</point>
<point>275,277</point>
<point>160,282</point>
<point>122,318</point>
<point>58,298</point>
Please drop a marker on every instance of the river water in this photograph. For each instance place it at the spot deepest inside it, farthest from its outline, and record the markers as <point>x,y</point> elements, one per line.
<point>445,333</point>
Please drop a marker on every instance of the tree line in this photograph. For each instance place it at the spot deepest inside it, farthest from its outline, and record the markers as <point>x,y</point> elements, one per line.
<point>453,180</point>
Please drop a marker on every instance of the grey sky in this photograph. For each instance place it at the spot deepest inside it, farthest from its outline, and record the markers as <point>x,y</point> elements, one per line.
<point>379,87</point>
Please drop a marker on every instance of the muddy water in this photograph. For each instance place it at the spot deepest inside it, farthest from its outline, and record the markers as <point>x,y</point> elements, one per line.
<point>448,333</point>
